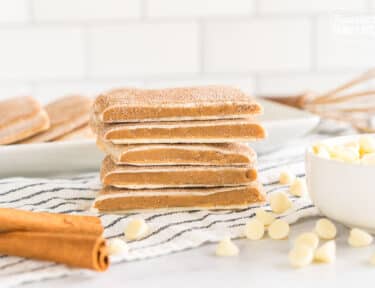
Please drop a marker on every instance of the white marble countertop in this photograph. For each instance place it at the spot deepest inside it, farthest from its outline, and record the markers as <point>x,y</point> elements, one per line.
<point>260,264</point>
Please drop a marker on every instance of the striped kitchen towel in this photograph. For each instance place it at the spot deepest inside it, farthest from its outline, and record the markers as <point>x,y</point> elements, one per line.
<point>170,231</point>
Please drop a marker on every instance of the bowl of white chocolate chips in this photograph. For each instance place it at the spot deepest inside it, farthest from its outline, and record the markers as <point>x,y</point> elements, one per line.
<point>340,174</point>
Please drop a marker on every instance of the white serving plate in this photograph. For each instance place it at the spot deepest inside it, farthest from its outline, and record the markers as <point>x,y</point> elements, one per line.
<point>282,123</point>
<point>45,159</point>
<point>342,191</point>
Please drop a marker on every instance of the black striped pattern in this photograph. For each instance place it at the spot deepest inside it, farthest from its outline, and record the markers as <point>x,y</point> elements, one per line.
<point>170,230</point>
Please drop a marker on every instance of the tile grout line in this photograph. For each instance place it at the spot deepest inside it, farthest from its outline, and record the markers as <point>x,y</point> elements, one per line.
<point>87,52</point>
<point>143,10</point>
<point>256,80</point>
<point>369,5</point>
<point>201,46</point>
<point>256,8</point>
<point>182,76</point>
<point>30,8</point>
<point>313,43</point>
<point>144,19</point>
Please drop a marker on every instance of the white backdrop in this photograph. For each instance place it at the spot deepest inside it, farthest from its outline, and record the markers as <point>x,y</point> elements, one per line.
<point>51,47</point>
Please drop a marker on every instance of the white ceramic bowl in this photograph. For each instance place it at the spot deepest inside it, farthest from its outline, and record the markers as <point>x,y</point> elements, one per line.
<point>343,192</point>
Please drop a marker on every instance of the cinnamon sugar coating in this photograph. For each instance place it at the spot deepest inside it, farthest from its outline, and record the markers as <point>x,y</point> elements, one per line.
<point>21,117</point>
<point>66,114</point>
<point>190,103</point>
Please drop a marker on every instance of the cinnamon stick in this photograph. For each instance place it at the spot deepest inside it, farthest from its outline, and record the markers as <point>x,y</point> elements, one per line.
<point>73,240</point>
<point>21,220</point>
<point>71,249</point>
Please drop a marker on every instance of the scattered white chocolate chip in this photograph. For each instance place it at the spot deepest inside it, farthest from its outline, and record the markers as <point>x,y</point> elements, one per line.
<point>280,202</point>
<point>278,230</point>
<point>136,229</point>
<point>309,239</point>
<point>226,248</point>
<point>117,246</point>
<point>372,260</point>
<point>301,256</point>
<point>298,187</point>
<point>326,253</point>
<point>366,144</point>
<point>359,238</point>
<point>254,229</point>
<point>93,210</point>
<point>325,229</point>
<point>286,177</point>
<point>265,217</point>
<point>368,159</point>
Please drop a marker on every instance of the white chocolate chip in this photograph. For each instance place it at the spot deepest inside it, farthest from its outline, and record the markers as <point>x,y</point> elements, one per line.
<point>300,256</point>
<point>359,238</point>
<point>358,151</point>
<point>254,229</point>
<point>353,145</point>
<point>309,239</point>
<point>286,177</point>
<point>322,150</point>
<point>226,248</point>
<point>324,153</point>
<point>326,253</point>
<point>280,202</point>
<point>278,230</point>
<point>345,154</point>
<point>298,187</point>
<point>366,144</point>
<point>319,147</point>
<point>117,246</point>
<point>265,217</point>
<point>368,159</point>
<point>325,229</point>
<point>136,229</point>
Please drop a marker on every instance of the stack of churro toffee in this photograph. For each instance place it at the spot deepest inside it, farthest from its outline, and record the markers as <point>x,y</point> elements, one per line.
<point>177,148</point>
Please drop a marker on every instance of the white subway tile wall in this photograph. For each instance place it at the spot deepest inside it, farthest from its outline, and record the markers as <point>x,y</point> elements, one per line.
<point>34,53</point>
<point>260,45</point>
<point>81,10</point>
<point>143,50</point>
<point>313,6</point>
<point>49,48</point>
<point>14,11</point>
<point>200,8</point>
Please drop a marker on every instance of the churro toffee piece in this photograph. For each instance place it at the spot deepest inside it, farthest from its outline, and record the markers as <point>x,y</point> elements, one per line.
<point>66,114</point>
<point>212,131</point>
<point>21,117</point>
<point>80,133</point>
<point>136,177</point>
<point>224,154</point>
<point>174,104</point>
<point>124,200</point>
